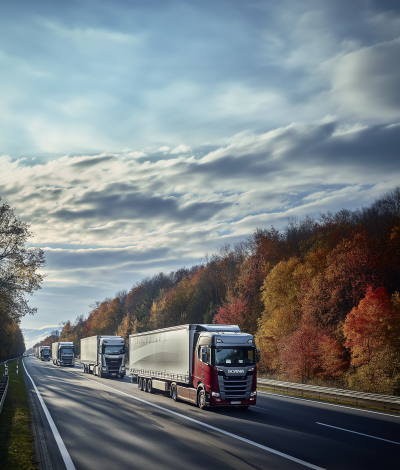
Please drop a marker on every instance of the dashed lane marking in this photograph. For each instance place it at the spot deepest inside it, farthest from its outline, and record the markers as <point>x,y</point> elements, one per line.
<point>360,433</point>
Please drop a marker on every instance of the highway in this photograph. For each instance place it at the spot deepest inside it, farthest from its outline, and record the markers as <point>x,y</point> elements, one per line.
<point>110,424</point>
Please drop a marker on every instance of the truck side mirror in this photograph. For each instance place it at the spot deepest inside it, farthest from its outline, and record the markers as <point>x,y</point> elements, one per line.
<point>258,356</point>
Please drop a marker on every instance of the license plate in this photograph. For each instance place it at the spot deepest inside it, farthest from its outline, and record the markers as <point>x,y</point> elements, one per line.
<point>236,402</point>
<point>113,373</point>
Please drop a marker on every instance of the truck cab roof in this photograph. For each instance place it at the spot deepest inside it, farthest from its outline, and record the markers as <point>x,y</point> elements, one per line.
<point>218,328</point>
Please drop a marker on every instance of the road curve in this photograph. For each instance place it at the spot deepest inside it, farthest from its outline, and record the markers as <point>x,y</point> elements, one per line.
<point>107,424</point>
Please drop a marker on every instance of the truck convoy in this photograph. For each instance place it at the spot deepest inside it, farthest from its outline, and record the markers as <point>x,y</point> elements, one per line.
<point>63,353</point>
<point>42,353</point>
<point>103,356</point>
<point>208,365</point>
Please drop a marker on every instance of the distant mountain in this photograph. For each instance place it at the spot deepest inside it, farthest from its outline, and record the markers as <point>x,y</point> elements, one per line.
<point>32,336</point>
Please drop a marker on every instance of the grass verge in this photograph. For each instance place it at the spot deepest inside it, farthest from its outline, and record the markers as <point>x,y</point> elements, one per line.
<point>330,400</point>
<point>16,441</point>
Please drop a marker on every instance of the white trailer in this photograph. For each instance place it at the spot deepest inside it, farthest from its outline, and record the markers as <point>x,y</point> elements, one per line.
<point>103,356</point>
<point>165,353</point>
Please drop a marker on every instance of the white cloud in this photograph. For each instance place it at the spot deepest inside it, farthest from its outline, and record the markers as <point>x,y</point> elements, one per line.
<point>365,83</point>
<point>180,149</point>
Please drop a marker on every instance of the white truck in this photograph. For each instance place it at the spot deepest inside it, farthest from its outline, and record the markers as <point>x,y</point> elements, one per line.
<point>43,353</point>
<point>63,353</point>
<point>103,356</point>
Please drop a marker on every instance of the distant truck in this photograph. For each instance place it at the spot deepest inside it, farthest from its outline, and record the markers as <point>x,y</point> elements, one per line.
<point>43,353</point>
<point>103,356</point>
<point>63,353</point>
<point>207,365</point>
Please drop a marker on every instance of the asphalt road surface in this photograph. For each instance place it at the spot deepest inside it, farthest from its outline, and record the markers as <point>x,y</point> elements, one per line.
<point>110,424</point>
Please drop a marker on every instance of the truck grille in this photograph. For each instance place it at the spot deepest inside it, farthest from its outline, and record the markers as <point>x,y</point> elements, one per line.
<point>235,388</point>
<point>113,364</point>
<point>67,360</point>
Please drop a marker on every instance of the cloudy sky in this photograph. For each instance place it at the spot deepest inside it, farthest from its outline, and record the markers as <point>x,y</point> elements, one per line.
<point>137,136</point>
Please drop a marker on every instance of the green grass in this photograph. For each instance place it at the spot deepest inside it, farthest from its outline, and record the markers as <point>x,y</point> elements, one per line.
<point>330,400</point>
<point>16,441</point>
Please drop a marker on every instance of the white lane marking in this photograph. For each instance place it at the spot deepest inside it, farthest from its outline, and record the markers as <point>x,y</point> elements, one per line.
<point>247,441</point>
<point>360,433</point>
<point>63,450</point>
<point>259,408</point>
<point>282,395</point>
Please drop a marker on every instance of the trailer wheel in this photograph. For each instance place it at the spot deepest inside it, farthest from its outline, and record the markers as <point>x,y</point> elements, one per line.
<point>149,386</point>
<point>174,392</point>
<point>143,385</point>
<point>201,399</point>
<point>139,383</point>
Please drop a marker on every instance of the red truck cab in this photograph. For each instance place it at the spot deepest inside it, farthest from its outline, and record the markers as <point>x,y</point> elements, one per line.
<point>225,365</point>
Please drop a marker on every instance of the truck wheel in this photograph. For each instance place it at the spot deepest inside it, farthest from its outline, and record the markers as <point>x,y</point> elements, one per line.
<point>99,372</point>
<point>201,399</point>
<point>149,386</point>
<point>174,392</point>
<point>139,383</point>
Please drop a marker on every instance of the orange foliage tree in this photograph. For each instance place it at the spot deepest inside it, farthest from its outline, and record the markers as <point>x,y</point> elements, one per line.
<point>372,333</point>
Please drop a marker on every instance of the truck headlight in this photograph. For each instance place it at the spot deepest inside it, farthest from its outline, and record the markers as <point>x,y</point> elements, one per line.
<point>253,394</point>
<point>122,368</point>
<point>215,394</point>
<point>104,368</point>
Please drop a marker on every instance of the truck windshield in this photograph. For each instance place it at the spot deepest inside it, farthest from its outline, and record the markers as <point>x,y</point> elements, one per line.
<point>234,356</point>
<point>114,350</point>
<point>67,350</point>
<point>45,351</point>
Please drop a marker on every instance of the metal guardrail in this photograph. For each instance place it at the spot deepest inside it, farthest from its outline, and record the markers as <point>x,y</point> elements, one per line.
<point>3,390</point>
<point>372,399</point>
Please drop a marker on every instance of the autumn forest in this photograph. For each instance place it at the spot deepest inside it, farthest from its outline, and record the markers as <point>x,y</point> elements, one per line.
<point>320,295</point>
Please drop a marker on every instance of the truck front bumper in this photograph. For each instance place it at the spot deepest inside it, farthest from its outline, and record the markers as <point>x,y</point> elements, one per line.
<point>112,374</point>
<point>217,401</point>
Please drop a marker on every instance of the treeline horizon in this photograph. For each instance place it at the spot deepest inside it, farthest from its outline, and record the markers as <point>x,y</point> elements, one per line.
<point>321,296</point>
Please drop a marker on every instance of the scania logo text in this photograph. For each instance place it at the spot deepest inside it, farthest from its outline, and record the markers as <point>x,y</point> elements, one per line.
<point>235,371</point>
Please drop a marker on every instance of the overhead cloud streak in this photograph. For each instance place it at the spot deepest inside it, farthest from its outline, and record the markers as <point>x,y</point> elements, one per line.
<point>136,138</point>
